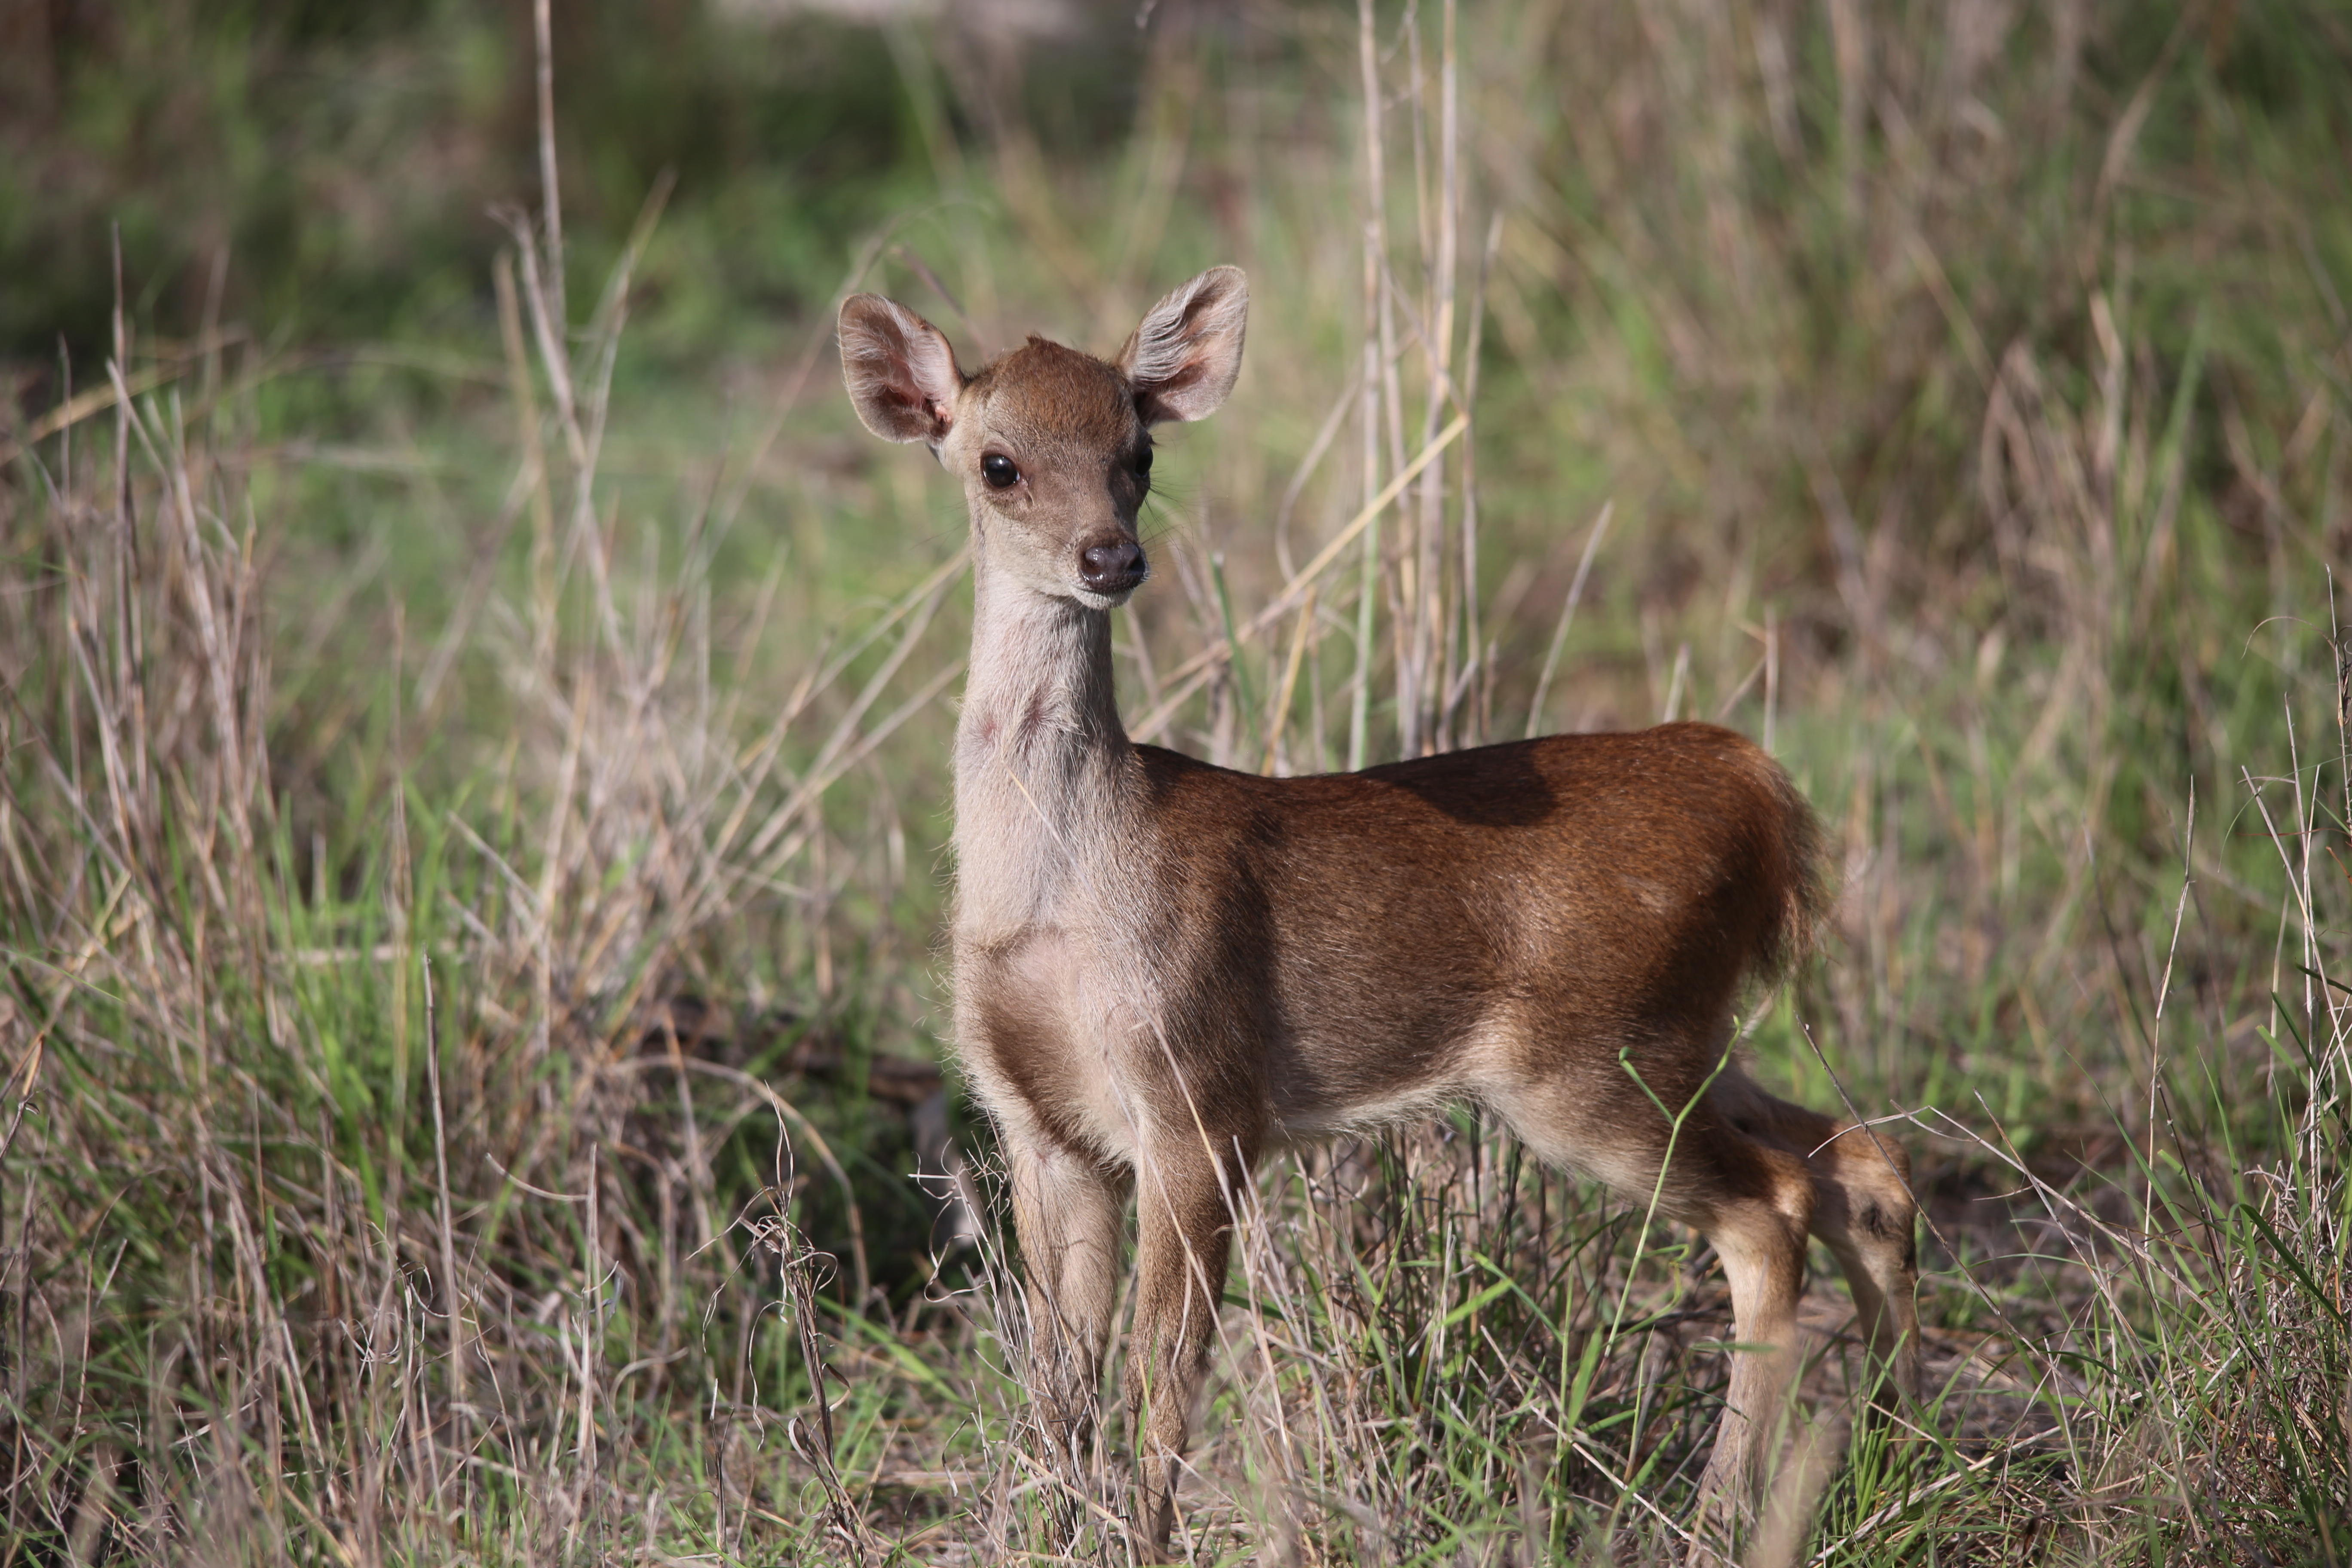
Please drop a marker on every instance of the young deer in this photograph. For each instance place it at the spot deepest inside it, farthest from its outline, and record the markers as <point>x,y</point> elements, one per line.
<point>1162,969</point>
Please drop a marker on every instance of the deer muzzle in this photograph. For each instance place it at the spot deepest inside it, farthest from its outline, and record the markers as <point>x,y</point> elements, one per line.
<point>1112,565</point>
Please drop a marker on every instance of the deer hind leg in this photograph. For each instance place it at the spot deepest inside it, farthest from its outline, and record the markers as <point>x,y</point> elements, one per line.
<point>1754,1203</point>
<point>1066,1207</point>
<point>1864,1213</point>
<point>1184,1227</point>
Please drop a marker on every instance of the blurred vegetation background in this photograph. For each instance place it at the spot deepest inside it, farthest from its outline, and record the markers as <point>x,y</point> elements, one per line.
<point>474,749</point>
<point>326,171</point>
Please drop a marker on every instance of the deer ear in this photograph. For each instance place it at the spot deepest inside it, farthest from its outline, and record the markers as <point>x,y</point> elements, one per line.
<point>1183,358</point>
<point>902,374</point>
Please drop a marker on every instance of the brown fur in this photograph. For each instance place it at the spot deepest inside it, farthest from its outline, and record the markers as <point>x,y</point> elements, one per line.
<point>1162,968</point>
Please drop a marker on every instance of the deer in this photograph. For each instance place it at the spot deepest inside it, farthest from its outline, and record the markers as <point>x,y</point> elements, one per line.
<point>1162,970</point>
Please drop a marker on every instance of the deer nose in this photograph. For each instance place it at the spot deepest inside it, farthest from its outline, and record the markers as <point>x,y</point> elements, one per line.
<point>1113,566</point>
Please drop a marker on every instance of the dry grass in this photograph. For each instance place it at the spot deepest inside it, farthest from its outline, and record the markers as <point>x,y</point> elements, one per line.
<point>424,1089</point>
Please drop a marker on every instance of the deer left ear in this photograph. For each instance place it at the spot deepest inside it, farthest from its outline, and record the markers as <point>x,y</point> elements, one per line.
<point>1183,360</point>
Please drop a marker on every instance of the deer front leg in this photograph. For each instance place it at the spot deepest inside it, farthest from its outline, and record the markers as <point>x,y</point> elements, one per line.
<point>1184,1223</point>
<point>1065,1207</point>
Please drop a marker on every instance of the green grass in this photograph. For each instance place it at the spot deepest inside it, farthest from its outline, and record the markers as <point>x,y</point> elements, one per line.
<point>470,877</point>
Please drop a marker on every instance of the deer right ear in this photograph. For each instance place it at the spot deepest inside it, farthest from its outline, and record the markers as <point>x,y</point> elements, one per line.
<point>1183,360</point>
<point>902,374</point>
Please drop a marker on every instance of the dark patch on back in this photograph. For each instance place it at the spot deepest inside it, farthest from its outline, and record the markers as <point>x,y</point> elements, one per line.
<point>1491,786</point>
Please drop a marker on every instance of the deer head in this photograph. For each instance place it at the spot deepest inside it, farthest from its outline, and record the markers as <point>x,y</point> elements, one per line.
<point>1052,446</point>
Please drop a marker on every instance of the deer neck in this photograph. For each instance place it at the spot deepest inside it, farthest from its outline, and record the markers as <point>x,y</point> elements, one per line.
<point>1042,763</point>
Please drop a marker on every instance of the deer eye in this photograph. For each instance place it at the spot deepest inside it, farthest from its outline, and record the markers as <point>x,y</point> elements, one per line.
<point>998,470</point>
<point>1143,463</point>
